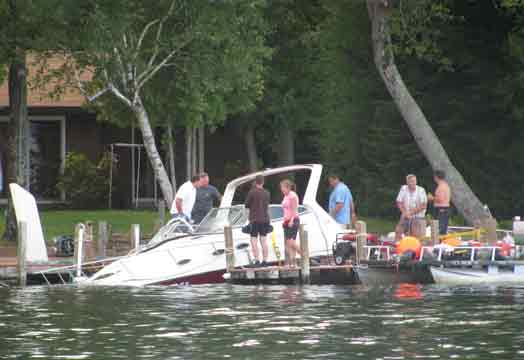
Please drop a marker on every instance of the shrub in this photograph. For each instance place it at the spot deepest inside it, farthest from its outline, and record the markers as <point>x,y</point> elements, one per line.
<point>85,184</point>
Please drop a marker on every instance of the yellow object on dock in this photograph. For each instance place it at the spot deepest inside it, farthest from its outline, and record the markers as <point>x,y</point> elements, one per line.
<point>275,247</point>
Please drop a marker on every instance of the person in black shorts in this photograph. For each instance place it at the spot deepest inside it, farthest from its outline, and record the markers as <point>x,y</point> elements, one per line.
<point>257,201</point>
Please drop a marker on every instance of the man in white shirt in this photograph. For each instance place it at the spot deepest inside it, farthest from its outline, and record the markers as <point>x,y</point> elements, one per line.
<point>185,198</point>
<point>412,203</point>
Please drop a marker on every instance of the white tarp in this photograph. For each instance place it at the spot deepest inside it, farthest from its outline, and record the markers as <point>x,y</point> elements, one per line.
<point>25,210</point>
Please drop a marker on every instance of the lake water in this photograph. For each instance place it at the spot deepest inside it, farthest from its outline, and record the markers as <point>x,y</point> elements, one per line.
<point>264,322</point>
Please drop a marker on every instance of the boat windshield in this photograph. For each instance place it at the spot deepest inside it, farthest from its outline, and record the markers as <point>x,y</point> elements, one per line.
<point>217,219</point>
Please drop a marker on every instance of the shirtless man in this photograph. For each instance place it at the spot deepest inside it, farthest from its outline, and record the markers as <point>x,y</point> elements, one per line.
<point>441,201</point>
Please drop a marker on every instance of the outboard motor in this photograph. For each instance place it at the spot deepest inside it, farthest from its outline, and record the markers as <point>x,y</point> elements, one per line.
<point>65,245</point>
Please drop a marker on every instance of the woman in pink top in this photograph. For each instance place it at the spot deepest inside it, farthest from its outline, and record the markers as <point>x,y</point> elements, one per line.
<point>291,219</point>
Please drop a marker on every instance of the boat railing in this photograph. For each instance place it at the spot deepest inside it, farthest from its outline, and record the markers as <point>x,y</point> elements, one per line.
<point>453,229</point>
<point>384,252</point>
<point>72,270</point>
<point>473,251</point>
<point>379,250</point>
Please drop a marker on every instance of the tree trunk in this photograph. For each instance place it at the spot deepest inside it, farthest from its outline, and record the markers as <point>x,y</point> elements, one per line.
<point>189,147</point>
<point>463,197</point>
<point>201,149</point>
<point>152,152</point>
<point>171,153</point>
<point>286,148</point>
<point>251,147</point>
<point>17,154</point>
<point>194,155</point>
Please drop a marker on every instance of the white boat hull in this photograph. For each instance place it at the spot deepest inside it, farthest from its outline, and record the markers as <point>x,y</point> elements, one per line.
<point>461,276</point>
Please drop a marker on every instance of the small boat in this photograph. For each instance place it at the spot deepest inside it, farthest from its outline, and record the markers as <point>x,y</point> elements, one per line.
<point>512,274</point>
<point>498,264</point>
<point>182,254</point>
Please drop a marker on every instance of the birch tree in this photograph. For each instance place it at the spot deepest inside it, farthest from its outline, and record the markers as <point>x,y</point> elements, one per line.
<point>464,199</point>
<point>131,47</point>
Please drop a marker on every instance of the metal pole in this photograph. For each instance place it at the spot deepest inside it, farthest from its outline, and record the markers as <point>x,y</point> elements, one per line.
<point>137,192</point>
<point>133,165</point>
<point>79,244</point>
<point>21,253</point>
<point>111,176</point>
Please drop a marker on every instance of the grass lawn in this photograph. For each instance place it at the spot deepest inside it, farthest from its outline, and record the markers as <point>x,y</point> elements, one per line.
<point>379,226</point>
<point>63,222</point>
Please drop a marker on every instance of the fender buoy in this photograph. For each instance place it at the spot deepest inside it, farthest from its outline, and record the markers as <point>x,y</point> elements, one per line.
<point>372,238</point>
<point>505,248</point>
<point>409,243</point>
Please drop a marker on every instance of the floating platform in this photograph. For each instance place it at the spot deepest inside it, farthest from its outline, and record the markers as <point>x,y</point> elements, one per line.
<point>276,275</point>
<point>58,270</point>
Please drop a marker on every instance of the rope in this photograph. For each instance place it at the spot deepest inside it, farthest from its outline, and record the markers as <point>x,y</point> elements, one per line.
<point>275,247</point>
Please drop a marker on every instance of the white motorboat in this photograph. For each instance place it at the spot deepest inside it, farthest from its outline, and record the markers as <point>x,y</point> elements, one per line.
<point>181,254</point>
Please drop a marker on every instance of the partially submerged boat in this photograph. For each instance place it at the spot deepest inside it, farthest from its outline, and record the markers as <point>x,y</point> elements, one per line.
<point>182,254</point>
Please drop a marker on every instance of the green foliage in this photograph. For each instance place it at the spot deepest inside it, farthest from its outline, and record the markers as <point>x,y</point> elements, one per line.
<point>418,28</point>
<point>85,183</point>
<point>216,70</point>
<point>62,222</point>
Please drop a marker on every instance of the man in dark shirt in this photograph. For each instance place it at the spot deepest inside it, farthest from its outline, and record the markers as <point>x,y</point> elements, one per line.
<point>257,201</point>
<point>206,194</point>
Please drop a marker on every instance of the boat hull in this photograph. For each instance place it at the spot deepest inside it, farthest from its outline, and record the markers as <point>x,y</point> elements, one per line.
<point>387,274</point>
<point>461,276</point>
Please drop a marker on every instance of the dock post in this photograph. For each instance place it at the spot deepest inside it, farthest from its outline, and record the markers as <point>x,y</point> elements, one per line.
<point>362,238</point>
<point>230,250</point>
<point>103,238</point>
<point>304,248</point>
<point>21,253</point>
<point>161,212</point>
<point>135,236</point>
<point>80,230</point>
<point>89,243</point>
<point>434,232</point>
<point>491,227</point>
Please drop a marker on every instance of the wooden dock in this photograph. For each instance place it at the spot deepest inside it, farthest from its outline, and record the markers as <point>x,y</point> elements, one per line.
<point>318,275</point>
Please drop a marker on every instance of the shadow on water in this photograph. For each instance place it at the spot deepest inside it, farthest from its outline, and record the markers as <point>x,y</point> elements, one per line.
<point>263,322</point>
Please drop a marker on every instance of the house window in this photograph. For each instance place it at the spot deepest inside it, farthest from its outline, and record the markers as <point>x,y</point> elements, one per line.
<point>46,156</point>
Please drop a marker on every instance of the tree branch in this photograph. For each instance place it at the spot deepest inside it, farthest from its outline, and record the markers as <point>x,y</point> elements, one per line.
<point>119,95</point>
<point>148,74</point>
<point>142,36</point>
<point>159,34</point>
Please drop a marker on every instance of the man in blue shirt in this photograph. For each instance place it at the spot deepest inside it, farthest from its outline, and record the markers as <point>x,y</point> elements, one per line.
<point>341,204</point>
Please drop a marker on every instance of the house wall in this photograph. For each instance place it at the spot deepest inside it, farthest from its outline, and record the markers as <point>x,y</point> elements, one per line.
<point>225,154</point>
